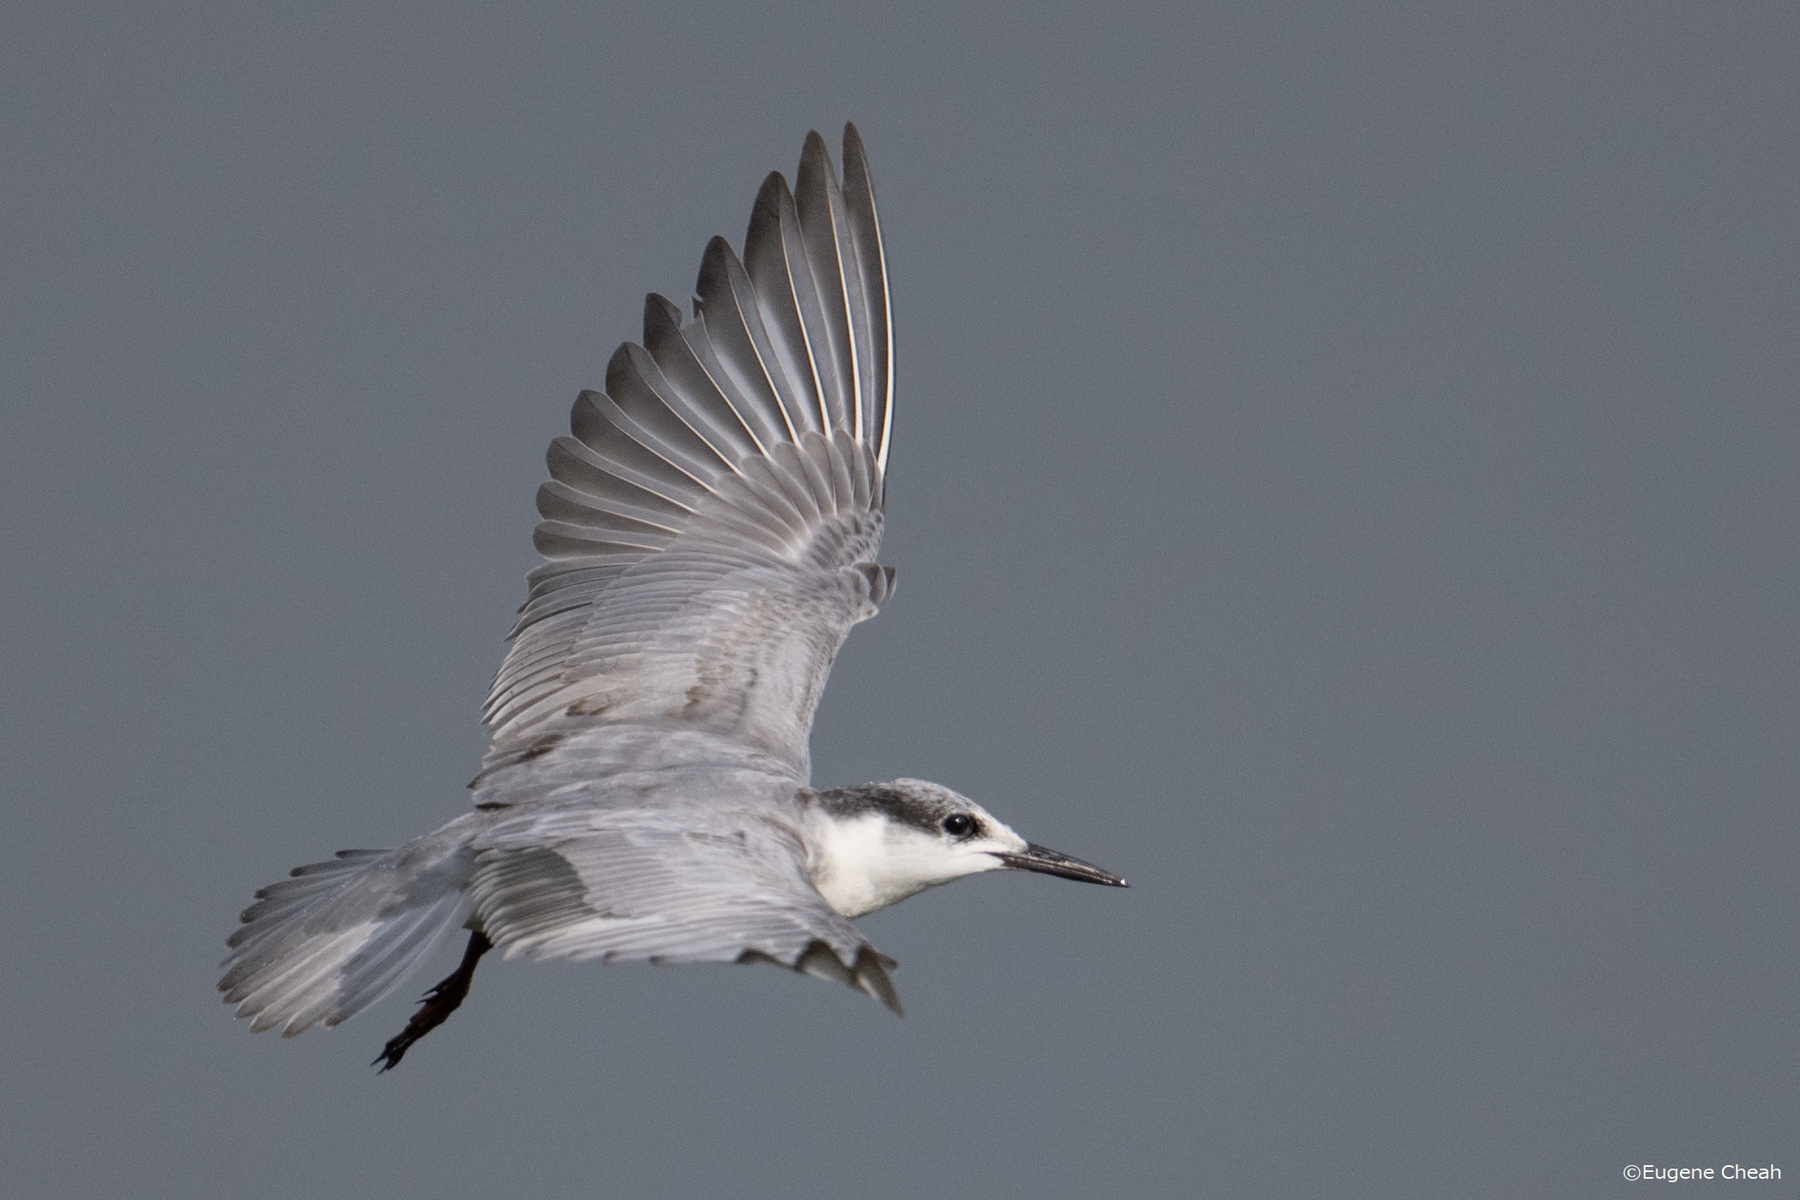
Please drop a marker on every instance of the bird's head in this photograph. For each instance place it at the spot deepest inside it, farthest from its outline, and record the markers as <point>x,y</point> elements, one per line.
<point>877,843</point>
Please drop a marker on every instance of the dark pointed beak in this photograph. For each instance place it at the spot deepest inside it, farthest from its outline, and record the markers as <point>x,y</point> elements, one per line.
<point>1040,858</point>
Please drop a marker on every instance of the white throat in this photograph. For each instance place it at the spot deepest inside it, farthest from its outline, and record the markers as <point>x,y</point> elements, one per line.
<point>865,862</point>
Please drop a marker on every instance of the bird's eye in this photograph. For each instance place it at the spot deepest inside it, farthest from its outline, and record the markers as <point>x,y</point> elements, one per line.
<point>959,825</point>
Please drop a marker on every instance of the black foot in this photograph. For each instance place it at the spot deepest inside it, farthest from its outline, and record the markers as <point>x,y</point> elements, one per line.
<point>437,1005</point>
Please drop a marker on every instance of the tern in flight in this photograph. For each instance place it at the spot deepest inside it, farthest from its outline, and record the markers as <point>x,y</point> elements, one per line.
<point>709,536</point>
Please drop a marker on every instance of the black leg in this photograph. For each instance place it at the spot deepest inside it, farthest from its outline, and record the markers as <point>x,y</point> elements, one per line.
<point>437,1005</point>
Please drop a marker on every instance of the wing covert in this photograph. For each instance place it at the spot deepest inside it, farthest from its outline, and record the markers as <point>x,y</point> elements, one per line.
<point>582,882</point>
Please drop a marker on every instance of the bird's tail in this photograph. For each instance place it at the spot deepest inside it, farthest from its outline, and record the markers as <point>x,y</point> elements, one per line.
<point>336,936</point>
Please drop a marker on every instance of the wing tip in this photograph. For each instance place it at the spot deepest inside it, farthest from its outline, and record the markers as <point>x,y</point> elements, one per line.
<point>867,972</point>
<point>853,149</point>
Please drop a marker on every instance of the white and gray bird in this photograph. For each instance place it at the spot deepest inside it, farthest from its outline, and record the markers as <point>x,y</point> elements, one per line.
<point>709,535</point>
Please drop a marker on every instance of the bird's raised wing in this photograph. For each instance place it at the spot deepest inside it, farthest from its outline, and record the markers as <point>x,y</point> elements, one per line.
<point>710,527</point>
<point>580,881</point>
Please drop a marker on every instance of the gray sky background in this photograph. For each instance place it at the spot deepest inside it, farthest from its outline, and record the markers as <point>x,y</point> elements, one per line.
<point>1345,480</point>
